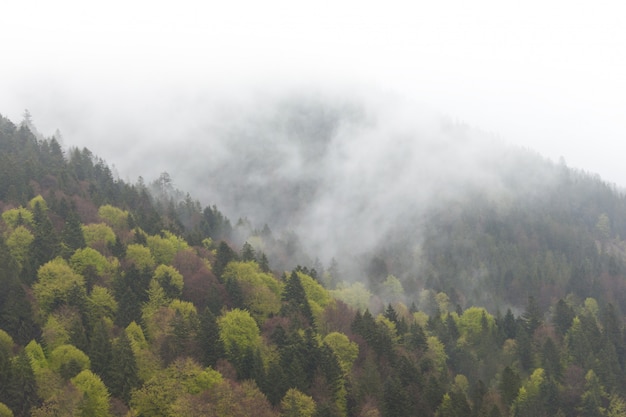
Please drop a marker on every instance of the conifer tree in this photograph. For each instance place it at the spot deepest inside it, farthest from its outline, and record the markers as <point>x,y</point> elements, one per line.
<point>72,237</point>
<point>208,338</point>
<point>22,388</point>
<point>45,246</point>
<point>295,300</point>
<point>123,375</point>
<point>100,349</point>
<point>224,255</point>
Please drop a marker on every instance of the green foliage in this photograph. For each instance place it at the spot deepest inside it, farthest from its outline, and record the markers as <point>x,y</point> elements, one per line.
<point>114,217</point>
<point>346,351</point>
<point>170,280</point>
<point>5,411</point>
<point>98,234</point>
<point>165,248</point>
<point>95,396</point>
<point>57,285</point>
<point>475,324</point>
<point>101,304</point>
<point>140,256</point>
<point>317,296</point>
<point>36,355</point>
<point>159,394</point>
<point>68,360</point>
<point>296,303</point>
<point>19,242</point>
<point>18,217</point>
<point>259,291</point>
<point>84,259</point>
<point>521,249</point>
<point>209,341</point>
<point>355,295</point>
<point>123,372</point>
<point>297,404</point>
<point>38,201</point>
<point>239,333</point>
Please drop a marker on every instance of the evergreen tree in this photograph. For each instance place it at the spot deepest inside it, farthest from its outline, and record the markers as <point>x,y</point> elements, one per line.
<point>72,237</point>
<point>45,246</point>
<point>264,263</point>
<point>509,386</point>
<point>100,349</point>
<point>295,301</point>
<point>563,316</point>
<point>532,316</point>
<point>22,389</point>
<point>396,401</point>
<point>509,325</point>
<point>208,338</point>
<point>247,253</point>
<point>391,314</point>
<point>224,255</point>
<point>123,375</point>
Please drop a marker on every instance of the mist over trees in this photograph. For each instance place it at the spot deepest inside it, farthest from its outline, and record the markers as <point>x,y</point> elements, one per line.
<point>350,261</point>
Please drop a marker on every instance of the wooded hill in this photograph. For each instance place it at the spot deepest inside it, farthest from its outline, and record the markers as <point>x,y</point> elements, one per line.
<point>129,299</point>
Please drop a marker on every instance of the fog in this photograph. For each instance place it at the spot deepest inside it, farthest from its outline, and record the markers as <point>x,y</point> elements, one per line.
<point>345,169</point>
<point>338,121</point>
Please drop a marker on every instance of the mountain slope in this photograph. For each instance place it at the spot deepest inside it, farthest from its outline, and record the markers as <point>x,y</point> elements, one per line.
<point>132,298</point>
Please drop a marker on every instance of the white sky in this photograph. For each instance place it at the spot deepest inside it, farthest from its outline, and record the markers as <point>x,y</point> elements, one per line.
<point>550,75</point>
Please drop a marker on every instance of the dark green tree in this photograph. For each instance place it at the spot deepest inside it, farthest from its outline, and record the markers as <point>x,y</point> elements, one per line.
<point>563,316</point>
<point>72,237</point>
<point>247,253</point>
<point>532,316</point>
<point>123,374</point>
<point>100,349</point>
<point>551,360</point>
<point>295,301</point>
<point>45,246</point>
<point>22,389</point>
<point>208,339</point>
<point>509,385</point>
<point>224,255</point>
<point>396,401</point>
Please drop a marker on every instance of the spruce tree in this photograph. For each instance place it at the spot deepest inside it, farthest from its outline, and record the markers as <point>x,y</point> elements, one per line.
<point>123,375</point>
<point>208,339</point>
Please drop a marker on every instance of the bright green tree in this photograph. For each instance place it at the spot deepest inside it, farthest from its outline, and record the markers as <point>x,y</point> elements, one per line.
<point>297,404</point>
<point>95,396</point>
<point>19,243</point>
<point>98,234</point>
<point>140,256</point>
<point>346,350</point>
<point>170,280</point>
<point>68,361</point>
<point>58,284</point>
<point>239,333</point>
<point>114,217</point>
<point>17,217</point>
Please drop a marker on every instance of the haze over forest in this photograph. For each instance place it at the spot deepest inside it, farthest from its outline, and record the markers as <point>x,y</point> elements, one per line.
<point>344,209</point>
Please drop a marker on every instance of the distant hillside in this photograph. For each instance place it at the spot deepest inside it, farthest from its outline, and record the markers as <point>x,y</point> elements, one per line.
<point>379,271</point>
<point>385,188</point>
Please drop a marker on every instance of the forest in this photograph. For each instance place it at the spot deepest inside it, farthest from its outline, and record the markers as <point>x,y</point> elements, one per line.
<point>132,299</point>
